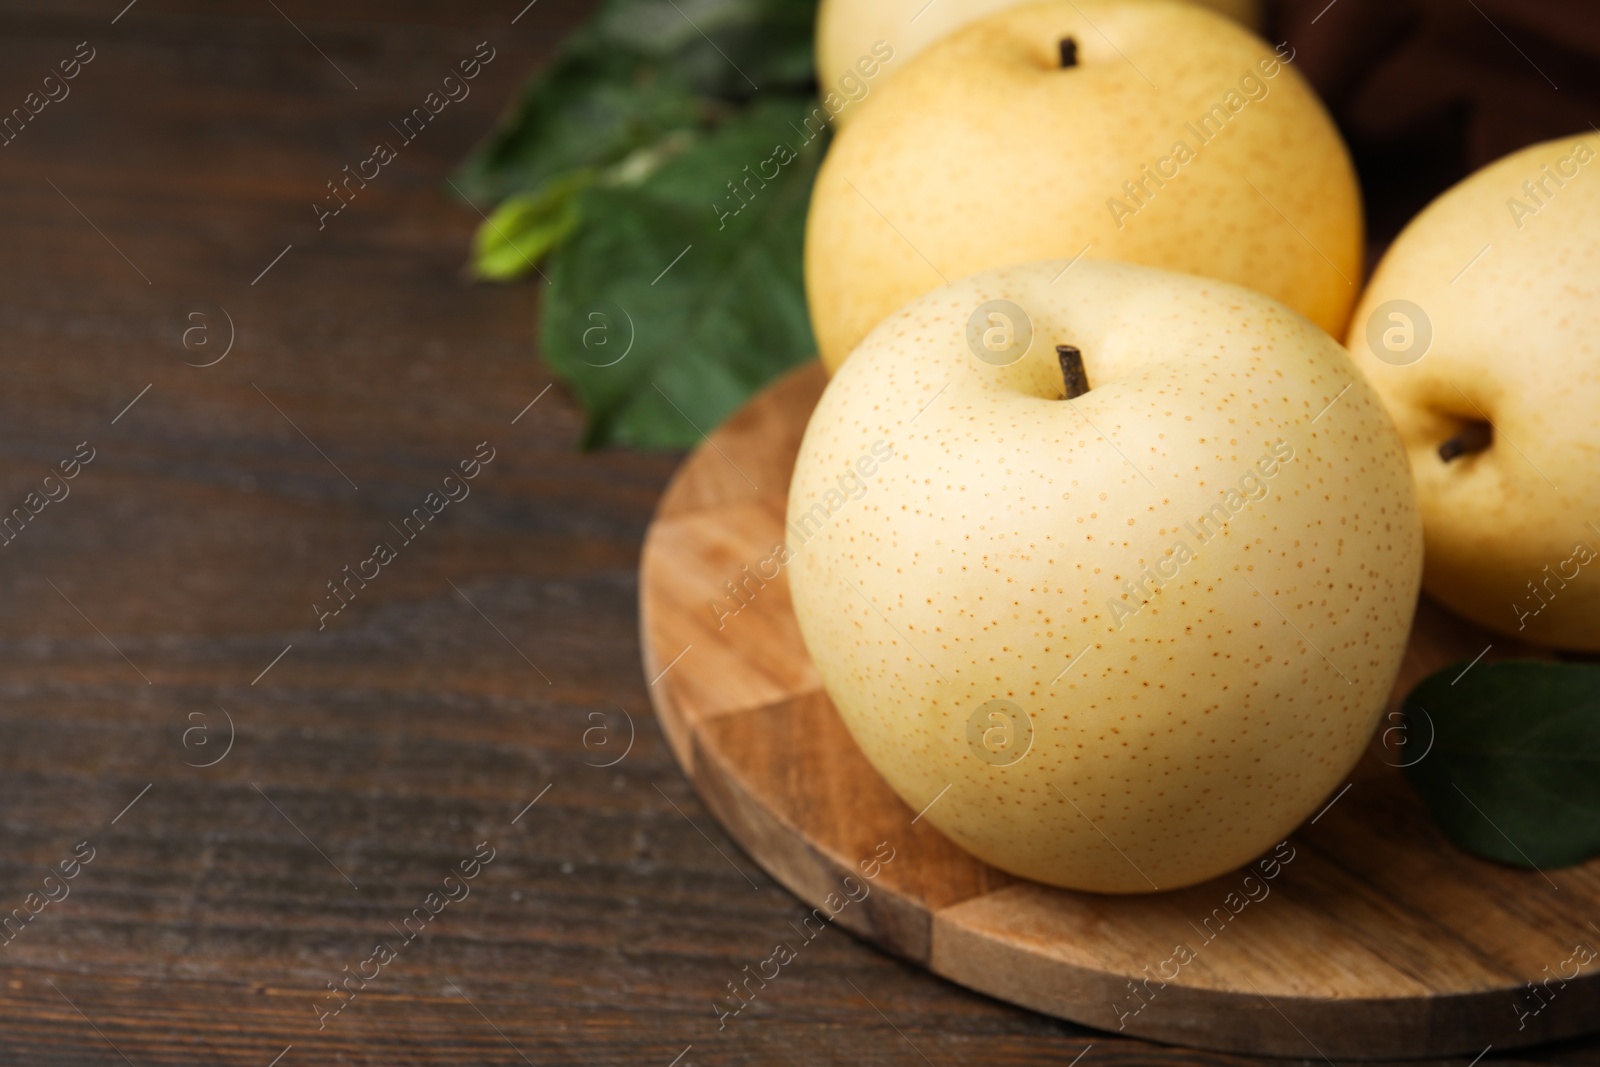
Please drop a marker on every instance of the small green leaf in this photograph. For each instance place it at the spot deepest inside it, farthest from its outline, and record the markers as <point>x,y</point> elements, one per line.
<point>1514,770</point>
<point>682,296</point>
<point>526,227</point>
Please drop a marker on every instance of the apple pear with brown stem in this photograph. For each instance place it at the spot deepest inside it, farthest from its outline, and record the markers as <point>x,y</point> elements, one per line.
<point>853,35</point>
<point>1481,331</point>
<point>1128,600</point>
<point>1151,131</point>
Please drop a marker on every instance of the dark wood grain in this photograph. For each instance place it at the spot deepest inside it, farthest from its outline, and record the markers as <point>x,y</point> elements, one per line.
<point>409,730</point>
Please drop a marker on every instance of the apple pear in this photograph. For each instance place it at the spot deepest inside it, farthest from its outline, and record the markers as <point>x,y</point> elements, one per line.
<point>1153,131</point>
<point>1109,570</point>
<point>849,30</point>
<point>1481,331</point>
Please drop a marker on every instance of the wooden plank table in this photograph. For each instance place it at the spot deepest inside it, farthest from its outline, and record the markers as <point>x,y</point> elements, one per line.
<point>165,604</point>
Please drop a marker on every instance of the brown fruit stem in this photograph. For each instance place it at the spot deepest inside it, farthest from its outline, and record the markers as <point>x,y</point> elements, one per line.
<point>1073,375</point>
<point>1474,437</point>
<point>1069,52</point>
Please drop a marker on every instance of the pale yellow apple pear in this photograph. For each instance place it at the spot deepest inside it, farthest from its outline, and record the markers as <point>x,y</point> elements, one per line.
<point>853,36</point>
<point>1121,641</point>
<point>1174,138</point>
<point>1481,331</point>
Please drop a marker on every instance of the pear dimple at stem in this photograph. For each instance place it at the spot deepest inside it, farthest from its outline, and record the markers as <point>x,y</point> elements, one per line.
<point>1073,374</point>
<point>1474,437</point>
<point>1069,52</point>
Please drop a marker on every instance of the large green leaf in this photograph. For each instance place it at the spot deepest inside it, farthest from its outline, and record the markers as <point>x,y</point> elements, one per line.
<point>702,291</point>
<point>727,48</point>
<point>591,108</point>
<point>1514,770</point>
<point>637,72</point>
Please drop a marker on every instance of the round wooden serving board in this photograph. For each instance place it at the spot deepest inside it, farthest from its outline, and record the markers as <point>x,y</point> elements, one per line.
<point>1378,938</point>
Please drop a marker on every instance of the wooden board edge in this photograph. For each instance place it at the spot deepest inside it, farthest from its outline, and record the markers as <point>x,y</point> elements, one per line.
<point>1307,1028</point>
<point>889,920</point>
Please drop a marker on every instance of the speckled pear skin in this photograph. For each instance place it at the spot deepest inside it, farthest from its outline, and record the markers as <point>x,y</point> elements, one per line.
<point>983,152</point>
<point>983,559</point>
<point>1510,284</point>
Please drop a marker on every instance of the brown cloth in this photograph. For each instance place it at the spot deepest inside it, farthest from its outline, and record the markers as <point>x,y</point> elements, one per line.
<point>1427,91</point>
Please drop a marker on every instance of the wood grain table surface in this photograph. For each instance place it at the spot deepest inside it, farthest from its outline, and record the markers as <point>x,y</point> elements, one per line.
<point>251,791</point>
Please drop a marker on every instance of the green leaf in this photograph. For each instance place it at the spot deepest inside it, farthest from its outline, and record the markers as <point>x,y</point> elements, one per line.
<point>590,109</point>
<point>1514,770</point>
<point>672,299</point>
<point>727,48</point>
<point>680,299</point>
<point>637,72</point>
<point>527,226</point>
